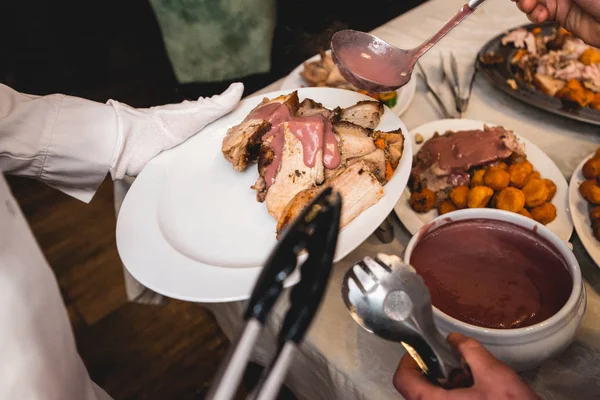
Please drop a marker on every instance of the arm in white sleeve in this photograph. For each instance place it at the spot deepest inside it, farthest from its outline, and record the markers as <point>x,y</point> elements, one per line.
<point>67,142</point>
<point>71,143</point>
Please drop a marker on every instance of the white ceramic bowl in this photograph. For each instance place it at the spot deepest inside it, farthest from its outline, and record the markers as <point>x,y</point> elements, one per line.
<point>521,348</point>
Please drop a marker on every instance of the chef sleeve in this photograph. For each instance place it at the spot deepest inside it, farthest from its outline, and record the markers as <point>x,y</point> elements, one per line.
<point>66,142</point>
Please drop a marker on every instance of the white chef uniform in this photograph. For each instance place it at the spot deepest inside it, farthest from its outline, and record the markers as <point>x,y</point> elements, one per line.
<point>70,144</point>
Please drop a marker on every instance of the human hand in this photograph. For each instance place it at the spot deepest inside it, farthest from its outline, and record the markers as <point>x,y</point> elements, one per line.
<point>580,17</point>
<point>493,379</point>
<point>145,132</point>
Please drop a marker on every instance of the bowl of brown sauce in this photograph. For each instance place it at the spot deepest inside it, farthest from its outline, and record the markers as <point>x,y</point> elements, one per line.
<point>502,279</point>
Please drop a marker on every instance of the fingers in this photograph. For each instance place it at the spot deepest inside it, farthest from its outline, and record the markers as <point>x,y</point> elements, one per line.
<point>411,383</point>
<point>483,364</point>
<point>527,6</point>
<point>539,14</point>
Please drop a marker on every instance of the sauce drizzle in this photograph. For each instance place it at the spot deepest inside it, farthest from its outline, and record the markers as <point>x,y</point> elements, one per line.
<point>315,132</point>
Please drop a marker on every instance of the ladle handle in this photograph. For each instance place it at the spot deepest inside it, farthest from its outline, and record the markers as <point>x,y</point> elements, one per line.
<point>473,4</point>
<point>463,13</point>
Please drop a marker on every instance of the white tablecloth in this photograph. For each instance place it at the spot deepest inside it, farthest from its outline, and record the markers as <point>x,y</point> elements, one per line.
<point>339,360</point>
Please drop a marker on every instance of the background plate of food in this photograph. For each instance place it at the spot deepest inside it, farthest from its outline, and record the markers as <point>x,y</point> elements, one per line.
<point>545,66</point>
<point>320,71</point>
<point>584,201</point>
<point>200,220</point>
<point>481,165</point>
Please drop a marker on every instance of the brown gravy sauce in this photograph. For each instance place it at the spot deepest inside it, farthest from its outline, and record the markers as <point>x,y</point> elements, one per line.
<point>315,132</point>
<point>492,274</point>
<point>464,149</point>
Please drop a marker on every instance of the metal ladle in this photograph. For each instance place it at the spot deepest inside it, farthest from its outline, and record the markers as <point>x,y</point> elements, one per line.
<point>372,64</point>
<point>386,297</point>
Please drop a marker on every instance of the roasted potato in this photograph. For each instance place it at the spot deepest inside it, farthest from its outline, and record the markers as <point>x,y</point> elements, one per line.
<point>595,214</point>
<point>551,189</point>
<point>533,175</point>
<point>590,191</point>
<point>591,168</point>
<point>477,178</point>
<point>519,172</point>
<point>502,165</point>
<point>536,193</point>
<point>525,213</point>
<point>590,56</point>
<point>446,206</point>
<point>422,201</point>
<point>575,92</point>
<point>595,104</point>
<point>458,195</point>
<point>544,214</point>
<point>496,178</point>
<point>479,196</point>
<point>510,199</point>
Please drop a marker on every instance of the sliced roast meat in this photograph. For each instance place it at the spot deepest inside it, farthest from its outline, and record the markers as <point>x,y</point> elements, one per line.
<point>354,139</point>
<point>358,187</point>
<point>393,144</point>
<point>311,107</point>
<point>364,113</point>
<point>265,158</point>
<point>335,79</point>
<point>242,142</point>
<point>444,156</point>
<point>376,161</point>
<point>547,84</point>
<point>293,175</point>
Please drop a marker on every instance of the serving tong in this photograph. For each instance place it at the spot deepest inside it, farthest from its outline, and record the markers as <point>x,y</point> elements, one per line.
<point>388,298</point>
<point>461,99</point>
<point>313,235</point>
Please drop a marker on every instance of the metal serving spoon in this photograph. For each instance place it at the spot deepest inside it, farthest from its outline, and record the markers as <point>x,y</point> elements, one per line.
<point>386,297</point>
<point>372,64</point>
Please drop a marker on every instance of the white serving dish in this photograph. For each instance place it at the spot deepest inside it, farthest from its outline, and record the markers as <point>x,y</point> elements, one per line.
<point>521,348</point>
<point>562,225</point>
<point>190,227</point>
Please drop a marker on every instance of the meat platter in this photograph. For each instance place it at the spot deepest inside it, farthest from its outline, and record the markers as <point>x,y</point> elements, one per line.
<point>193,226</point>
<point>302,147</point>
<point>535,64</point>
<point>515,151</point>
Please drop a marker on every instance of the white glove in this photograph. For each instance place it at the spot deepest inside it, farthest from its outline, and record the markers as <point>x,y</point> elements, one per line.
<point>145,132</point>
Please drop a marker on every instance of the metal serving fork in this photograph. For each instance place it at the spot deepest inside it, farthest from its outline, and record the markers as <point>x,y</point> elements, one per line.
<point>461,102</point>
<point>387,297</point>
<point>436,96</point>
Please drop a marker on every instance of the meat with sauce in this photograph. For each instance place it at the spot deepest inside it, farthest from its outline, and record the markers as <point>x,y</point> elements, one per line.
<point>357,185</point>
<point>364,113</point>
<point>293,175</point>
<point>242,142</point>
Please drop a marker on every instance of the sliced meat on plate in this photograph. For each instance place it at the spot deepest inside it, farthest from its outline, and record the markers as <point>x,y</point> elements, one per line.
<point>242,142</point>
<point>376,161</point>
<point>364,113</point>
<point>358,187</point>
<point>293,175</point>
<point>354,139</point>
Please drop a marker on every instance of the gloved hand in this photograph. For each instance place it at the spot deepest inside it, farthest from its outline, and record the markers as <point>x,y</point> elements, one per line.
<point>145,132</point>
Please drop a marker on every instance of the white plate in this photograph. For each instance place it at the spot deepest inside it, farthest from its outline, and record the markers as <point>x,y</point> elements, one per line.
<point>562,225</point>
<point>580,214</point>
<point>190,226</point>
<point>405,94</point>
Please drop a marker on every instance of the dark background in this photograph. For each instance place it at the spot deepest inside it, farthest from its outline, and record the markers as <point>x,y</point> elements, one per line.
<point>113,48</point>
